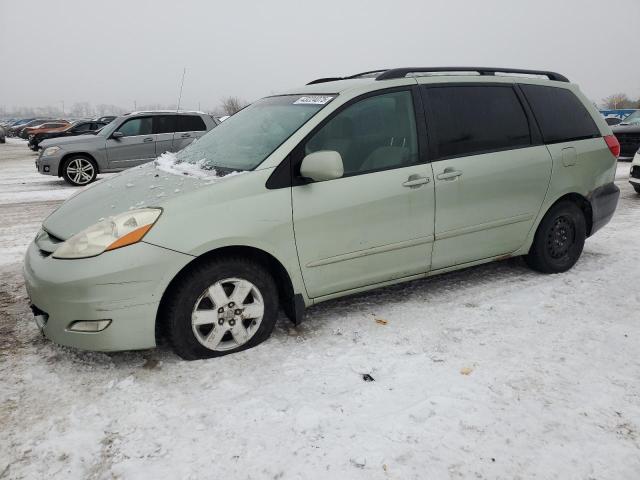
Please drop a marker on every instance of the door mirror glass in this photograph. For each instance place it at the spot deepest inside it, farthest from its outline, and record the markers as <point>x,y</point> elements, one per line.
<point>322,165</point>
<point>117,135</point>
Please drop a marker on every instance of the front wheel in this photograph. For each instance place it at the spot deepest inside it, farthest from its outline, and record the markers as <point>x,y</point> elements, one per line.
<point>79,171</point>
<point>636,188</point>
<point>220,307</point>
<point>559,240</point>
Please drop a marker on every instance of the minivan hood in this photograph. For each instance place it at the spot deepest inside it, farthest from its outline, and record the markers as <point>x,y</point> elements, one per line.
<point>138,187</point>
<point>71,140</point>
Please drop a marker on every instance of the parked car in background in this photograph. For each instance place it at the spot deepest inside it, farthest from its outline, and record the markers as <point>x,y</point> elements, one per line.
<point>45,127</point>
<point>634,174</point>
<point>513,166</point>
<point>79,127</point>
<point>49,124</point>
<point>127,141</point>
<point>17,127</point>
<point>628,134</point>
<point>106,118</point>
<point>3,135</point>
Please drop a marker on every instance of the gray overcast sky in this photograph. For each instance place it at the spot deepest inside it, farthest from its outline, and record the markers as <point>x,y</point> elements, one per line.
<point>115,52</point>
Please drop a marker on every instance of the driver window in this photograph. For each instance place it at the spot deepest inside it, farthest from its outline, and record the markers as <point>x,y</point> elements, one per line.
<point>136,126</point>
<point>373,134</point>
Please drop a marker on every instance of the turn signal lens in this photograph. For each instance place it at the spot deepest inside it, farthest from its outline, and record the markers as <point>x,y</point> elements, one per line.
<point>129,238</point>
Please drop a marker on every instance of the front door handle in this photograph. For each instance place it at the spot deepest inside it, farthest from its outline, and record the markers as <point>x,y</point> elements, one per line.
<point>148,139</point>
<point>185,135</point>
<point>415,181</point>
<point>449,174</point>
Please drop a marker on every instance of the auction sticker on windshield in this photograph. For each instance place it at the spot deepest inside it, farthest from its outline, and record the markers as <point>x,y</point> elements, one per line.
<point>313,100</point>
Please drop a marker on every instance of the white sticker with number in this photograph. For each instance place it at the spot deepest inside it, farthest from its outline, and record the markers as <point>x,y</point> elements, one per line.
<point>313,100</point>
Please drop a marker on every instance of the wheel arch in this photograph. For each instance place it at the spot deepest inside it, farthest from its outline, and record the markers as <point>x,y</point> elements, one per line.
<point>290,302</point>
<point>581,202</point>
<point>77,154</point>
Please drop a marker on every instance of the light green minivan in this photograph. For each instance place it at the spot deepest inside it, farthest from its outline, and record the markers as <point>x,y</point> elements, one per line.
<point>340,186</point>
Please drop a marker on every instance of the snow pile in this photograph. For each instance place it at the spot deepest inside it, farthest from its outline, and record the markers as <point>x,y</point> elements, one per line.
<point>168,162</point>
<point>529,376</point>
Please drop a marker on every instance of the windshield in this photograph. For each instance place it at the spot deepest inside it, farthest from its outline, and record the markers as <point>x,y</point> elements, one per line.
<point>246,139</point>
<point>633,119</point>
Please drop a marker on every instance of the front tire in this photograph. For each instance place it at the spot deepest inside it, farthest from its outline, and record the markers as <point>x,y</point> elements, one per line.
<point>220,307</point>
<point>79,170</point>
<point>636,188</point>
<point>559,240</point>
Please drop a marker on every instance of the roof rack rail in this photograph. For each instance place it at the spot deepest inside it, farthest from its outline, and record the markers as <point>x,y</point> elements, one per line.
<point>403,72</point>
<point>350,77</point>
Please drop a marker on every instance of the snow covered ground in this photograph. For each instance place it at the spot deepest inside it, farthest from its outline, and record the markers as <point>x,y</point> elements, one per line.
<point>492,372</point>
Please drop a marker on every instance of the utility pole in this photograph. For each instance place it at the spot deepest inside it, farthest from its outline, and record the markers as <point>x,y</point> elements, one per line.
<point>62,101</point>
<point>135,108</point>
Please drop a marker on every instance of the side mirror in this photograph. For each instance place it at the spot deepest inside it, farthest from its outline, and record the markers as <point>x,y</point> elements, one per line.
<point>322,165</point>
<point>117,135</point>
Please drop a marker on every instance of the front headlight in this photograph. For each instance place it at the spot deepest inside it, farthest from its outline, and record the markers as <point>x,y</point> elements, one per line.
<point>50,151</point>
<point>109,233</point>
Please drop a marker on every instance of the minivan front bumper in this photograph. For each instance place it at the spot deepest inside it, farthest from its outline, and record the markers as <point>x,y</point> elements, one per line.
<point>124,286</point>
<point>604,201</point>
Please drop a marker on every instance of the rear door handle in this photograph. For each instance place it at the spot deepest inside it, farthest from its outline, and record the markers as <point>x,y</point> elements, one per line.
<point>185,135</point>
<point>148,139</point>
<point>449,174</point>
<point>415,181</point>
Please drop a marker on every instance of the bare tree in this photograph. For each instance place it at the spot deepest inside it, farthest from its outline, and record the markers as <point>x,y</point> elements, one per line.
<point>231,105</point>
<point>618,100</point>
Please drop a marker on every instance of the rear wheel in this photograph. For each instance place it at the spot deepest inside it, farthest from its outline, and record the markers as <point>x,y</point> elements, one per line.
<point>559,239</point>
<point>79,171</point>
<point>220,307</point>
<point>636,188</point>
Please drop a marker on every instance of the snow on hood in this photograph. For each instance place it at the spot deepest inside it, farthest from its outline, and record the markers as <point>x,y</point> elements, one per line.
<point>168,162</point>
<point>138,187</point>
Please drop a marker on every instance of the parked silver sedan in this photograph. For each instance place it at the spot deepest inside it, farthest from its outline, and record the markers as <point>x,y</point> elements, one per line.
<point>128,141</point>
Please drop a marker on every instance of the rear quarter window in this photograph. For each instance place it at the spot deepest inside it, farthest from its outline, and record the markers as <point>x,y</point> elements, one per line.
<point>560,114</point>
<point>190,123</point>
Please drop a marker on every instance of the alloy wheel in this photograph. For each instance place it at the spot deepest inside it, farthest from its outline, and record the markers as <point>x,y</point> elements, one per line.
<point>81,171</point>
<point>227,314</point>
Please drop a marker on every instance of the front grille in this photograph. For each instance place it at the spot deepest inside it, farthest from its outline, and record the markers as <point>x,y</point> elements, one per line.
<point>635,171</point>
<point>629,143</point>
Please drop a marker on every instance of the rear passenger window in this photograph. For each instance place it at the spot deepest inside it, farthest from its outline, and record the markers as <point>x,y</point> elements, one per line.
<point>560,114</point>
<point>469,120</point>
<point>164,124</point>
<point>190,123</point>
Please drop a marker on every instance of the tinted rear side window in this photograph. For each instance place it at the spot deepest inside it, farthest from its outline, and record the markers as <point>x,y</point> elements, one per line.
<point>467,120</point>
<point>164,124</point>
<point>560,114</point>
<point>190,123</point>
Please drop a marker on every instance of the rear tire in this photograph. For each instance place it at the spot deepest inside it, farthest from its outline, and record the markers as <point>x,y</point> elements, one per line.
<point>79,170</point>
<point>559,240</point>
<point>220,307</point>
<point>636,188</point>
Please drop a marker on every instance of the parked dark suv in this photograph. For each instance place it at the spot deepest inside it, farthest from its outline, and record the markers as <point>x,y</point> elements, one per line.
<point>628,134</point>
